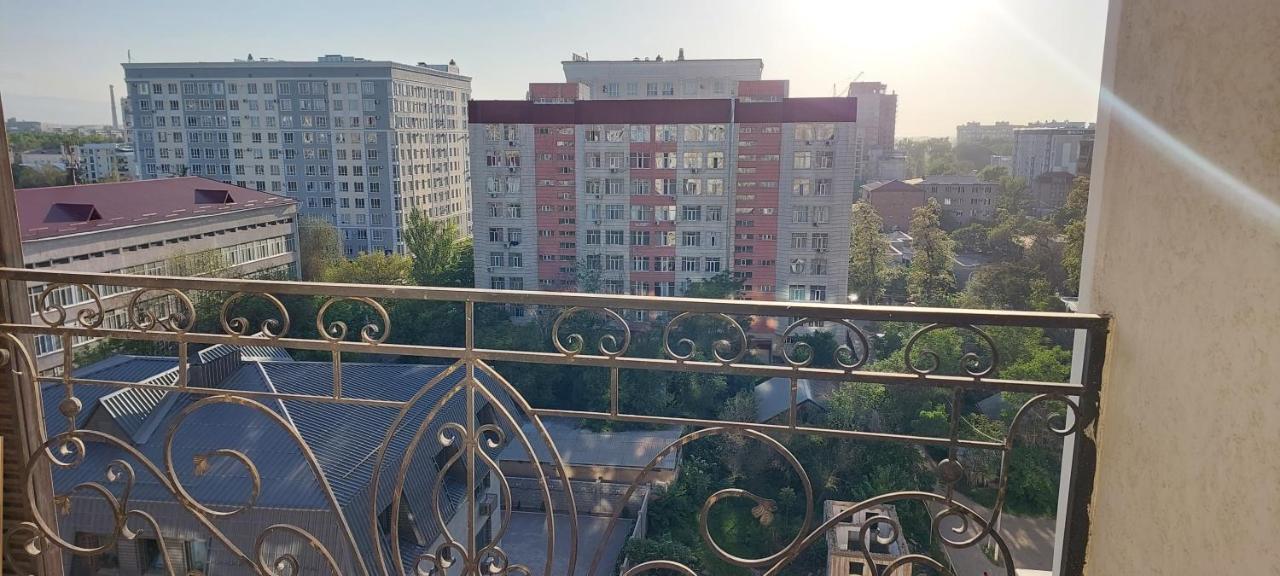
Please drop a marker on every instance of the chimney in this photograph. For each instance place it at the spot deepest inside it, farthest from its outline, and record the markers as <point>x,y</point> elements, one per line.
<point>115,120</point>
<point>681,55</point>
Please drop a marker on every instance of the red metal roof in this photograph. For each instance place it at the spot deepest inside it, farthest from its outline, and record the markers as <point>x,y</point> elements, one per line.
<point>682,111</point>
<point>62,210</point>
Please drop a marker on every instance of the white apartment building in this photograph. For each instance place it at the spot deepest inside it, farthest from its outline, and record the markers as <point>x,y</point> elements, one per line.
<point>356,142</point>
<point>676,78</point>
<point>1040,150</point>
<point>104,161</point>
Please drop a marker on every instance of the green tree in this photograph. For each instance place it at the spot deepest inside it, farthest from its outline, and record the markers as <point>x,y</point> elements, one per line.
<point>440,256</point>
<point>42,177</point>
<point>318,247</point>
<point>1072,255</point>
<point>993,173</point>
<point>720,286</point>
<point>930,279</point>
<point>1015,196</point>
<point>1008,286</point>
<point>868,265</point>
<point>375,268</point>
<point>1076,204</point>
<point>588,273</point>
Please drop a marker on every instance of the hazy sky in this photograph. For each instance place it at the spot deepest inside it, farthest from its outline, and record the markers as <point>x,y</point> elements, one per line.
<point>950,61</point>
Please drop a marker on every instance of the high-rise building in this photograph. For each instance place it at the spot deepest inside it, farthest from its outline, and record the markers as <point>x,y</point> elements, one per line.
<point>356,142</point>
<point>103,161</point>
<point>878,121</point>
<point>1040,150</point>
<point>644,196</point>
<point>658,78</point>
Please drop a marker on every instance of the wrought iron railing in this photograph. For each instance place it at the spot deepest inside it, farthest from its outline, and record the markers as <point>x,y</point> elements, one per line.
<point>587,331</point>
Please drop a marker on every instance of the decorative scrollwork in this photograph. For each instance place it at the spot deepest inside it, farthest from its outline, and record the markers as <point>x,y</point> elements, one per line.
<point>86,317</point>
<point>288,564</point>
<point>370,333</point>
<point>239,325</point>
<point>178,321</point>
<point>722,349</point>
<point>574,344</point>
<point>847,356</point>
<point>970,362</point>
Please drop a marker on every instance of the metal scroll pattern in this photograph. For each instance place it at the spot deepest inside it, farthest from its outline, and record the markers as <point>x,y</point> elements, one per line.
<point>471,445</point>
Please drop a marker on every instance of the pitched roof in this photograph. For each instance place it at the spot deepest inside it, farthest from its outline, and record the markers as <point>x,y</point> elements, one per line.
<point>63,210</point>
<point>773,397</point>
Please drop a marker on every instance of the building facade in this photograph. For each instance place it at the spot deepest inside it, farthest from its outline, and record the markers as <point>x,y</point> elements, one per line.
<point>978,133</point>
<point>963,198</point>
<point>109,161</point>
<point>356,142</point>
<point>1049,192</point>
<point>154,227</point>
<point>661,79</point>
<point>878,120</point>
<point>645,197</point>
<point>894,201</point>
<point>1040,150</point>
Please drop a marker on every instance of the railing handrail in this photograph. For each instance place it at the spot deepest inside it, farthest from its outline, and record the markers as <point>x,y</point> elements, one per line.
<point>812,310</point>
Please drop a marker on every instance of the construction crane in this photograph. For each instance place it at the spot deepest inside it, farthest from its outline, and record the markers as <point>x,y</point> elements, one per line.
<point>835,93</point>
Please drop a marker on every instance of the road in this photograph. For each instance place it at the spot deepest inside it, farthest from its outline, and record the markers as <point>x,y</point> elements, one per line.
<point>1030,542</point>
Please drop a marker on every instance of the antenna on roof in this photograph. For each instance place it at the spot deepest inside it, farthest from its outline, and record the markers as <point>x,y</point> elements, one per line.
<point>129,53</point>
<point>250,57</point>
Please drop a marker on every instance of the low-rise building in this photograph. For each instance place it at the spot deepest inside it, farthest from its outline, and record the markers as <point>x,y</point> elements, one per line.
<point>894,201</point>
<point>963,198</point>
<point>1060,149</point>
<point>147,227</point>
<point>845,555</point>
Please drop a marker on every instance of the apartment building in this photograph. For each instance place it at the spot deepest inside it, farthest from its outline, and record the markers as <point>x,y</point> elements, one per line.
<point>676,78</point>
<point>848,550</point>
<point>878,121</point>
<point>356,142</point>
<point>146,227</point>
<point>1055,149</point>
<point>111,161</point>
<point>978,133</point>
<point>647,196</point>
<point>963,198</point>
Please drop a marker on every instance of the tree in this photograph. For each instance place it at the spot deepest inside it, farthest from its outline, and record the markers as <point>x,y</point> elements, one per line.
<point>1072,255</point>
<point>440,256</point>
<point>375,268</point>
<point>993,173</point>
<point>587,274</point>
<point>930,280</point>
<point>318,247</point>
<point>1008,286</point>
<point>1014,197</point>
<point>1076,204</point>
<point>720,286</point>
<point>972,156</point>
<point>868,265</point>
<point>42,177</point>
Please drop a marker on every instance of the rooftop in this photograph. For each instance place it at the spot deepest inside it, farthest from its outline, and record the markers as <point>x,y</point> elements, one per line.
<point>674,111</point>
<point>65,210</point>
<point>583,447</point>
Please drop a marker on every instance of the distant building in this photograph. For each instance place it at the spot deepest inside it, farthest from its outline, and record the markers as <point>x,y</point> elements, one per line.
<point>1005,162</point>
<point>894,201</point>
<point>845,554</point>
<point>1040,150</point>
<point>39,159</point>
<point>140,228</point>
<point>358,143</point>
<point>773,400</point>
<point>673,78</point>
<point>877,123</point>
<point>16,125</point>
<point>1049,192</point>
<point>110,161</point>
<point>977,133</point>
<point>963,198</point>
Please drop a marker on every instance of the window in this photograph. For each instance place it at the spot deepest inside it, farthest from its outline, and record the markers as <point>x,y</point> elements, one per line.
<point>711,265</point>
<point>715,187</point>
<point>715,160</point>
<point>593,238</point>
<point>819,266</point>
<point>639,238</point>
<point>614,237</point>
<point>796,292</point>
<point>615,212</point>
<point>823,187</point>
<point>715,213</point>
<point>497,259</point>
<point>498,283</point>
<point>825,160</point>
<point>716,132</point>
<point>802,187</point>
<point>804,132</point>
<point>640,187</point>
<point>639,132</point>
<point>496,235</point>
<point>689,264</point>
<point>639,263</point>
<point>665,160</point>
<point>665,133</point>
<point>692,133</point>
<point>640,159</point>
<point>613,263</point>
<point>691,214</point>
<point>691,239</point>
<point>803,160</point>
<point>692,187</point>
<point>664,264</point>
<point>798,265</point>
<point>799,241</point>
<point>820,241</point>
<point>818,293</point>
<point>664,186</point>
<point>692,160</point>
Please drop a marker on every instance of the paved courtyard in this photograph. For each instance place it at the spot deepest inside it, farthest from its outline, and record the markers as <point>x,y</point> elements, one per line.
<point>526,542</point>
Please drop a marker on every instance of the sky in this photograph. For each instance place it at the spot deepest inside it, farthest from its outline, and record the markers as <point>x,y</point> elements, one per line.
<point>949,61</point>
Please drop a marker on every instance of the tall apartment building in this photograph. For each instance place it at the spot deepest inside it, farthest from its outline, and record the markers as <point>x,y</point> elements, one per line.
<point>357,142</point>
<point>110,161</point>
<point>878,121</point>
<point>658,78</point>
<point>146,228</point>
<point>1040,150</point>
<point>645,196</point>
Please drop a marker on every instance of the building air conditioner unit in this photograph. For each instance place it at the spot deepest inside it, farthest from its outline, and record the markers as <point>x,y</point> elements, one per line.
<point>513,143</point>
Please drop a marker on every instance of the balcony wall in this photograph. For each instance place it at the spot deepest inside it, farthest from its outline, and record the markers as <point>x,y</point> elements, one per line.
<point>1188,262</point>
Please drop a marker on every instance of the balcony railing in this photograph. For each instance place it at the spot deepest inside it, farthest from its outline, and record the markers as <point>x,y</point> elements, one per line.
<point>146,489</point>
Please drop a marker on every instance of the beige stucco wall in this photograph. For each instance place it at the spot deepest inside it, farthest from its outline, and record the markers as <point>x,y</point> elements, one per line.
<point>1188,478</point>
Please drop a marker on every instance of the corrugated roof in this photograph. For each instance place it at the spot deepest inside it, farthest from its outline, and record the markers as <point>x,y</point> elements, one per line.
<point>773,397</point>
<point>582,447</point>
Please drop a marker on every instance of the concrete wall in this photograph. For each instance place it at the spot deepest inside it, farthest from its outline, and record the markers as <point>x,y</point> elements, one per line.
<point>1188,261</point>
